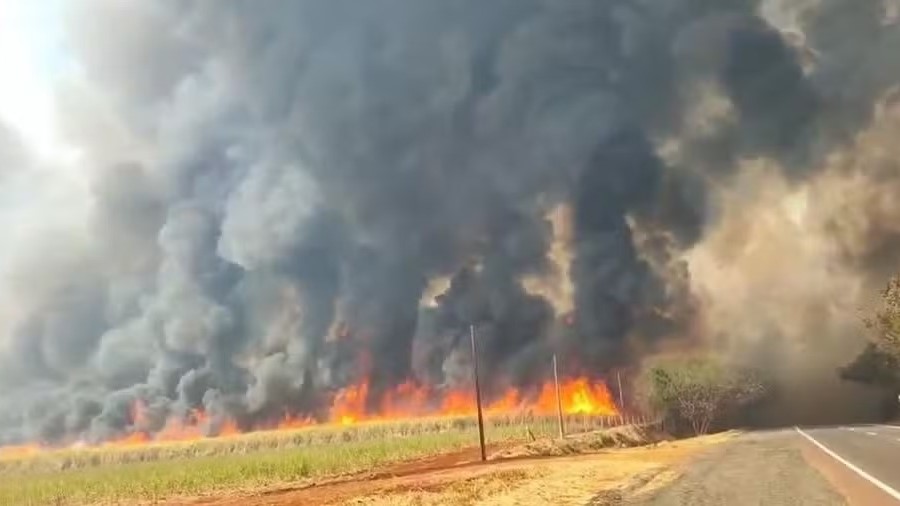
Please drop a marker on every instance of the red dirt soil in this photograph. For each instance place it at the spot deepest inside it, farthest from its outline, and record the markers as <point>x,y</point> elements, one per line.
<point>412,474</point>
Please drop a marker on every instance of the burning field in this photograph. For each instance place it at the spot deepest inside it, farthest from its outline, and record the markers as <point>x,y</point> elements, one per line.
<point>216,244</point>
<point>225,220</point>
<point>405,404</point>
<point>187,457</point>
<point>130,470</point>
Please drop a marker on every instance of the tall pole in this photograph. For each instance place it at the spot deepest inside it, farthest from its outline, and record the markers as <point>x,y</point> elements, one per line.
<point>621,401</point>
<point>477,394</point>
<point>559,413</point>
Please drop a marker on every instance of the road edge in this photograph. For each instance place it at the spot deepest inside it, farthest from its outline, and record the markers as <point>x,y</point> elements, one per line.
<point>887,489</point>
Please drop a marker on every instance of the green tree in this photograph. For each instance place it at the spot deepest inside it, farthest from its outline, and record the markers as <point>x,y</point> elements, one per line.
<point>696,391</point>
<point>879,363</point>
<point>884,323</point>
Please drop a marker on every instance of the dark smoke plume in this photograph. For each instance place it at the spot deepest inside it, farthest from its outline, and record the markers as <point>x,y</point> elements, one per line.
<point>291,196</point>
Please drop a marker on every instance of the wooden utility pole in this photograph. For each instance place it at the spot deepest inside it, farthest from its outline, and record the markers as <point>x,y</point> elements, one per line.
<point>559,412</point>
<point>477,394</point>
<point>621,399</point>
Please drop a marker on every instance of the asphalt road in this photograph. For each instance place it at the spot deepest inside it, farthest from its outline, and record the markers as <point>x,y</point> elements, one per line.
<point>827,466</point>
<point>869,451</point>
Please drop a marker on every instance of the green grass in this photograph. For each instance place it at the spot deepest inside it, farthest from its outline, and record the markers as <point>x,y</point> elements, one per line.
<point>251,461</point>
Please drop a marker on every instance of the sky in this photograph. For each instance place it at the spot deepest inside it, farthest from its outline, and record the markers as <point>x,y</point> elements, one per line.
<point>33,55</point>
<point>48,189</point>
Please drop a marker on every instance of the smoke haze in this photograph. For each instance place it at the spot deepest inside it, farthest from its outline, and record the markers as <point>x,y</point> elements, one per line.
<point>274,200</point>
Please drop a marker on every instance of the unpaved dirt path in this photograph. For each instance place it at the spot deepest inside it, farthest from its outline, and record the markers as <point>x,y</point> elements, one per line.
<point>766,468</point>
<point>560,481</point>
<point>460,479</point>
<point>419,472</point>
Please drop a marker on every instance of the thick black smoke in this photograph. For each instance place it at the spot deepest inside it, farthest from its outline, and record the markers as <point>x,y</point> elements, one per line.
<point>294,176</point>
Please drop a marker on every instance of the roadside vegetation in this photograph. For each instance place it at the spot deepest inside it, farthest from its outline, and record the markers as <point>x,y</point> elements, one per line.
<point>154,472</point>
<point>697,393</point>
<point>879,363</point>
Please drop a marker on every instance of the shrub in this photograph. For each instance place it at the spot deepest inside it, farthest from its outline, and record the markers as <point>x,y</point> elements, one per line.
<point>696,391</point>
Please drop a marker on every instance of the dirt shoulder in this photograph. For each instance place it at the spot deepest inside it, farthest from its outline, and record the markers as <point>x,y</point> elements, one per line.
<point>760,468</point>
<point>460,479</point>
<point>568,480</point>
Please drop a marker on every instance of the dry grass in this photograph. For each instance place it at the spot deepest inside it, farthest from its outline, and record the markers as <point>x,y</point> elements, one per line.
<point>619,437</point>
<point>457,493</point>
<point>612,475</point>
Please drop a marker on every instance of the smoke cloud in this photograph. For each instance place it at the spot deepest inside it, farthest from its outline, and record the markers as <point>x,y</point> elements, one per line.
<point>285,198</point>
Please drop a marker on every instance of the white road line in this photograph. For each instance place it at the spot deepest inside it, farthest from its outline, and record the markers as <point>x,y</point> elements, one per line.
<point>897,427</point>
<point>887,436</point>
<point>868,477</point>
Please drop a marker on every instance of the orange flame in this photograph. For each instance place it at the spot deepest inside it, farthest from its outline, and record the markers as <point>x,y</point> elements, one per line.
<point>19,451</point>
<point>408,400</point>
<point>352,405</point>
<point>133,439</point>
<point>229,428</point>
<point>578,397</point>
<point>349,405</point>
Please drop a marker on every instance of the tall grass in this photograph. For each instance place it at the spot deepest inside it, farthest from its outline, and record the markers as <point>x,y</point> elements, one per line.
<point>251,461</point>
